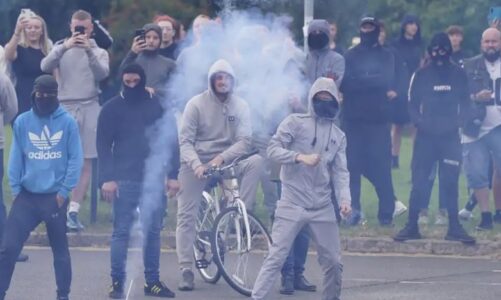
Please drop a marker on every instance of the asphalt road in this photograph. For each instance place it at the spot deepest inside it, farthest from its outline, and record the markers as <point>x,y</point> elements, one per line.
<point>365,277</point>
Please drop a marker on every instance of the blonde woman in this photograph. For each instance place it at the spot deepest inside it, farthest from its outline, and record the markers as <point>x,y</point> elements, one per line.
<point>25,50</point>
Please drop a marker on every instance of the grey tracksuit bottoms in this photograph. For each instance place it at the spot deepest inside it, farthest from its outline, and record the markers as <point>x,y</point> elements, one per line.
<point>189,197</point>
<point>289,219</point>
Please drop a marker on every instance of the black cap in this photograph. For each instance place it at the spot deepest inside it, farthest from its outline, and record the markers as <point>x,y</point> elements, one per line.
<point>368,19</point>
<point>45,83</point>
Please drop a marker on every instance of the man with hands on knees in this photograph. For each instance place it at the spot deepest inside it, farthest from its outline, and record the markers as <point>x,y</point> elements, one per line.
<point>312,151</point>
<point>44,166</point>
<point>215,129</point>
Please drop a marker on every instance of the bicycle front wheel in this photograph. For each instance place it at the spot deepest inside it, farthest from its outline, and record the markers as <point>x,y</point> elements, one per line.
<point>202,250</point>
<point>239,262</point>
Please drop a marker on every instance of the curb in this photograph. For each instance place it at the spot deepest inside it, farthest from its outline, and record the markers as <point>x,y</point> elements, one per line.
<point>382,245</point>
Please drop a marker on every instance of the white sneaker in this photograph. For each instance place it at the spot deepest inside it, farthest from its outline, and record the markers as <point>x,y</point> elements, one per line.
<point>400,208</point>
<point>423,220</point>
<point>441,219</point>
<point>465,214</point>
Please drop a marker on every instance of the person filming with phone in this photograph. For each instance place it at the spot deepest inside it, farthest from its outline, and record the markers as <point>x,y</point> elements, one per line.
<point>80,65</point>
<point>145,51</point>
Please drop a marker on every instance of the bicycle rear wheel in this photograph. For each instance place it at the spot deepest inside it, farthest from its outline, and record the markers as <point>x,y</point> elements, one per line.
<point>202,250</point>
<point>238,262</point>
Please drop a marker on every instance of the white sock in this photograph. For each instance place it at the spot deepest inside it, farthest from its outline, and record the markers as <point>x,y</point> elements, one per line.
<point>74,207</point>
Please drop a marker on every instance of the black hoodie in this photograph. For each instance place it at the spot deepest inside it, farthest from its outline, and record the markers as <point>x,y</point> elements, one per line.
<point>439,100</point>
<point>411,51</point>
<point>124,134</point>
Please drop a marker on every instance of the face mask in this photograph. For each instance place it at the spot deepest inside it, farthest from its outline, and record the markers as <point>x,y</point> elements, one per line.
<point>317,41</point>
<point>492,56</point>
<point>439,59</point>
<point>44,106</point>
<point>370,38</point>
<point>325,109</point>
<point>135,93</point>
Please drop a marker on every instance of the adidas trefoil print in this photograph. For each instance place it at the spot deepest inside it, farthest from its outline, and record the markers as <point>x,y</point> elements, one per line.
<point>45,142</point>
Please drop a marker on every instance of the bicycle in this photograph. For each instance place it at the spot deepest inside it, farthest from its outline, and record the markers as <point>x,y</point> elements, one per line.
<point>238,239</point>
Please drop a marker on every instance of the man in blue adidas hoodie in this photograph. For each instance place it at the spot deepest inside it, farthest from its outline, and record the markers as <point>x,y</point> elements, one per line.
<point>44,166</point>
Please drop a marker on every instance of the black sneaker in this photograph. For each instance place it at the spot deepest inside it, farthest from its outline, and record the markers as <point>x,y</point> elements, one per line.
<point>158,289</point>
<point>22,257</point>
<point>409,232</point>
<point>458,234</point>
<point>116,290</point>
<point>486,222</point>
<point>301,284</point>
<point>61,297</point>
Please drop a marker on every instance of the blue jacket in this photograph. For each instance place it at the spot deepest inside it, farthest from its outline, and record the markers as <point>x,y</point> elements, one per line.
<point>46,154</point>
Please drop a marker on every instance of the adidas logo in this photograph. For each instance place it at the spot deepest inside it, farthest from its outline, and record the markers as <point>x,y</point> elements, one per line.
<point>45,142</point>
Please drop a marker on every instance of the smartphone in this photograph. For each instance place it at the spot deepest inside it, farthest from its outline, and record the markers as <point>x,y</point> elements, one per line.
<point>494,14</point>
<point>80,29</point>
<point>141,34</point>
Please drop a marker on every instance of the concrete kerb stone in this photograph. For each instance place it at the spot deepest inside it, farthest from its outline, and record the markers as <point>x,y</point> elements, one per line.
<point>372,245</point>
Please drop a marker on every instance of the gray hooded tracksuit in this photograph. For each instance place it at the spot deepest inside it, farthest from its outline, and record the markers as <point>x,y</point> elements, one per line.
<point>323,62</point>
<point>306,193</point>
<point>209,128</point>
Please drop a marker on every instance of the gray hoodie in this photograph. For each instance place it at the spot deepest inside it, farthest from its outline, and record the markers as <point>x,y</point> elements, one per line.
<point>302,185</point>
<point>323,62</point>
<point>210,127</point>
<point>80,70</point>
<point>8,105</point>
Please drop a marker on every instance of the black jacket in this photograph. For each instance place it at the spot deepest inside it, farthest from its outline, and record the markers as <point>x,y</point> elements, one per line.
<point>439,101</point>
<point>369,75</point>
<point>124,135</point>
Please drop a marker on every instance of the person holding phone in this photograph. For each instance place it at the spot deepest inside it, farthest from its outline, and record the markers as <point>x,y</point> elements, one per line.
<point>80,65</point>
<point>145,51</point>
<point>27,47</point>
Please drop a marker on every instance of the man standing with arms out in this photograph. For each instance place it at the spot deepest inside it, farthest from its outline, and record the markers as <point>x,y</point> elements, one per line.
<point>80,66</point>
<point>123,147</point>
<point>145,52</point>
<point>311,149</point>
<point>44,165</point>
<point>484,74</point>
<point>8,110</point>
<point>368,87</point>
<point>409,47</point>
<point>216,129</point>
<point>438,105</point>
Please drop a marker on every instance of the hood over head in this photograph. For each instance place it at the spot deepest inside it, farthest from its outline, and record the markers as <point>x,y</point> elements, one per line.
<point>153,27</point>
<point>408,19</point>
<point>322,84</point>
<point>137,92</point>
<point>224,66</point>
<point>44,95</point>
<point>318,41</point>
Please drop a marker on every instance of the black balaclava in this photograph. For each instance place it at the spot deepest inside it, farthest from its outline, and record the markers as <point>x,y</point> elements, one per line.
<point>138,92</point>
<point>440,42</point>
<point>317,40</point>
<point>369,39</point>
<point>325,108</point>
<point>47,103</point>
<point>158,30</point>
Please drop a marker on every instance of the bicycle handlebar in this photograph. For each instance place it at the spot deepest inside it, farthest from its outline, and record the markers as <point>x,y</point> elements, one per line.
<point>214,170</point>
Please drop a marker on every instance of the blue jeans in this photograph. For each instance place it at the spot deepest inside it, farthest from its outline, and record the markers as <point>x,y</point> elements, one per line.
<point>151,215</point>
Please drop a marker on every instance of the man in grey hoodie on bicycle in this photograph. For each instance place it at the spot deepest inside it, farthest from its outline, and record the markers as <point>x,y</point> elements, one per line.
<point>215,129</point>
<point>311,149</point>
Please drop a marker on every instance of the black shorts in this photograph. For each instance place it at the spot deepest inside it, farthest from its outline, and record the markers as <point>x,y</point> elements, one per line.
<point>400,111</point>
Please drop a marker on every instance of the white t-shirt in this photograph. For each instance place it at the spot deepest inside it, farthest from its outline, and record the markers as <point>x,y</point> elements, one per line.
<point>493,112</point>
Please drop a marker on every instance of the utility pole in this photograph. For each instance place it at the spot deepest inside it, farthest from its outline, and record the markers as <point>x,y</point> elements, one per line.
<point>308,17</point>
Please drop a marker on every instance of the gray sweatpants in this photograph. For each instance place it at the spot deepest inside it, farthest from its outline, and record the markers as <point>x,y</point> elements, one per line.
<point>189,197</point>
<point>289,219</point>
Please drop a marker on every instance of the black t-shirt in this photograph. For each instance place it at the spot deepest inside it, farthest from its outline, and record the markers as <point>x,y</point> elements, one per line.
<point>26,68</point>
<point>170,52</point>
